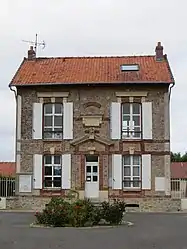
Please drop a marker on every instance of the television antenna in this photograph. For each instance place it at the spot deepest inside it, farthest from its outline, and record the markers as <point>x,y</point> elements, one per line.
<point>36,43</point>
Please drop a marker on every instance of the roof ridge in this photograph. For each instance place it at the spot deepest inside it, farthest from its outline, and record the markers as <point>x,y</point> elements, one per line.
<point>94,56</point>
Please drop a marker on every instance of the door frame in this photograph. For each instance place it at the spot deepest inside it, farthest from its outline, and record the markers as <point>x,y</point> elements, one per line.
<point>87,183</point>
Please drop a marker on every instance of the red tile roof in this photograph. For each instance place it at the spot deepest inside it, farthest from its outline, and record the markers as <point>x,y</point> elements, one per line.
<point>73,70</point>
<point>7,169</point>
<point>179,170</point>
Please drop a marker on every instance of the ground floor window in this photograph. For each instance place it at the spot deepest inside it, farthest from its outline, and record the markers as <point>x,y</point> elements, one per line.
<point>175,185</point>
<point>52,171</point>
<point>131,171</point>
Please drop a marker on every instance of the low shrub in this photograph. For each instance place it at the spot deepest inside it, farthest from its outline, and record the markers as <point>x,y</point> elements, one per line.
<point>59,213</point>
<point>113,213</point>
<point>55,214</point>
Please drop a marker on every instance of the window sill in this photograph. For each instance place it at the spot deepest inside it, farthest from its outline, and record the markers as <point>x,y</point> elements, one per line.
<point>132,139</point>
<point>51,189</point>
<point>132,189</point>
<point>53,140</point>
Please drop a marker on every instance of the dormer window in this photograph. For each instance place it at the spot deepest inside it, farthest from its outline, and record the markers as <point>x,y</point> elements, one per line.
<point>129,67</point>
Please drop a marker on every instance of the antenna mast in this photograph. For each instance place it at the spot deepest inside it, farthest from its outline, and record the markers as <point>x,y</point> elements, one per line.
<point>36,43</point>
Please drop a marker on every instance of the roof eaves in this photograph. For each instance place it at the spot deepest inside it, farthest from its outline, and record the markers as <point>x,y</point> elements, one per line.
<point>89,83</point>
<point>11,82</point>
<point>170,71</point>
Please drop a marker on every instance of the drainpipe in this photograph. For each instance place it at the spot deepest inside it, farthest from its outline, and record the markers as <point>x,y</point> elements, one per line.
<point>15,94</point>
<point>171,86</point>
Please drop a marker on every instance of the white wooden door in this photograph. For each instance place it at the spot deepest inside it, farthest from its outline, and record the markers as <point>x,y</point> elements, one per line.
<point>92,179</point>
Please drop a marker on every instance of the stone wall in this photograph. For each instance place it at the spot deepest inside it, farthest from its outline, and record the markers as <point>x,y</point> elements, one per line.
<point>93,100</point>
<point>145,204</point>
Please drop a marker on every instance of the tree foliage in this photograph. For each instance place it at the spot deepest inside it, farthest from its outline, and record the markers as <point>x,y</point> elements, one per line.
<point>178,157</point>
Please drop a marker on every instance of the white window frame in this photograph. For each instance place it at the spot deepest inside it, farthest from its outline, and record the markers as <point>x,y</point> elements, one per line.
<point>128,129</point>
<point>52,175</point>
<point>131,176</point>
<point>53,127</point>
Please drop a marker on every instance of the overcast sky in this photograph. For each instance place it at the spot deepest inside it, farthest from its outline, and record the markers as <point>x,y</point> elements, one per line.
<point>87,27</point>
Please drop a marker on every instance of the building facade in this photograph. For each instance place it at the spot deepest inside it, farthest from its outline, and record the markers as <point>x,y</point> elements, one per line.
<point>98,125</point>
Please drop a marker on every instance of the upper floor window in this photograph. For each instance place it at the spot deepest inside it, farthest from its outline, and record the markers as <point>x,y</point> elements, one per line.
<point>52,171</point>
<point>131,120</point>
<point>131,171</point>
<point>53,121</point>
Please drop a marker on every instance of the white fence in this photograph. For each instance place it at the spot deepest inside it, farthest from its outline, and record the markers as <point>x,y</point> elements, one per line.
<point>7,187</point>
<point>179,188</point>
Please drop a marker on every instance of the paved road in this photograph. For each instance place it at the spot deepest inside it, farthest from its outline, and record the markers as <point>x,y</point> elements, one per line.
<point>162,231</point>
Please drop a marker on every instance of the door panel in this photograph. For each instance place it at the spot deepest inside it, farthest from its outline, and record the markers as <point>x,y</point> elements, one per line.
<point>92,179</point>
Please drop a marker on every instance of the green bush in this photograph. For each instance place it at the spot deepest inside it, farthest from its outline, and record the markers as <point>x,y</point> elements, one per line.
<point>113,213</point>
<point>59,213</point>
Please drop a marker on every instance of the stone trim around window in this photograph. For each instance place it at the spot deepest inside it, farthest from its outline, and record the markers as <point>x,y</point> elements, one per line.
<point>131,94</point>
<point>52,94</point>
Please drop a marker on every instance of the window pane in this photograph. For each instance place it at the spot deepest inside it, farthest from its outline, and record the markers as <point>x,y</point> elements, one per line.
<point>88,169</point>
<point>47,160</point>
<point>127,182</point>
<point>136,182</point>
<point>58,121</point>
<point>57,133</point>
<point>57,182</point>
<point>126,134</point>
<point>58,108</point>
<point>126,108</point>
<point>136,160</point>
<point>136,108</point>
<point>58,130</point>
<point>48,135</point>
<point>57,159</point>
<point>48,120</point>
<point>47,129</point>
<point>136,171</point>
<point>137,132</point>
<point>57,171</point>
<point>126,160</point>
<point>94,178</point>
<point>91,158</point>
<point>48,170</point>
<point>48,182</point>
<point>125,122</point>
<point>127,171</point>
<point>126,118</point>
<point>88,178</point>
<point>48,108</point>
<point>94,169</point>
<point>136,120</point>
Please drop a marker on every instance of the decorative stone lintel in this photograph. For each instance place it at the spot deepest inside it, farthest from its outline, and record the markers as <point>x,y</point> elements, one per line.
<point>92,121</point>
<point>53,100</point>
<point>91,152</point>
<point>52,94</point>
<point>131,150</point>
<point>131,94</point>
<point>92,137</point>
<point>52,150</point>
<point>91,148</point>
<point>41,100</point>
<point>131,99</point>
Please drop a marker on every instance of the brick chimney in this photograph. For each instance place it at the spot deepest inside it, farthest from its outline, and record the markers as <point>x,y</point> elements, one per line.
<point>31,53</point>
<point>159,52</point>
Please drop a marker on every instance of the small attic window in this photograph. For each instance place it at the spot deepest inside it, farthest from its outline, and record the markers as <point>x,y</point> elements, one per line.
<point>129,67</point>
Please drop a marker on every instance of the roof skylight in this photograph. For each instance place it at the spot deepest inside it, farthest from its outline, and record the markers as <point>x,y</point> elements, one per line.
<point>129,67</point>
